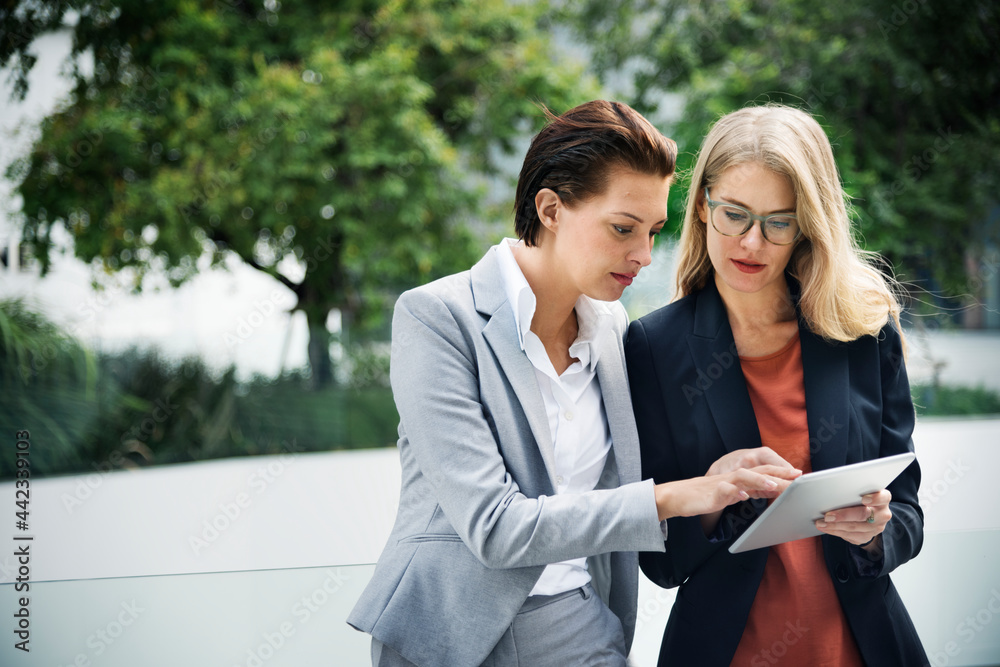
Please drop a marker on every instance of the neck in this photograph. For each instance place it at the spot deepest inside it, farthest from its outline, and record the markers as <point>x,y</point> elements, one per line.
<point>554,300</point>
<point>757,310</point>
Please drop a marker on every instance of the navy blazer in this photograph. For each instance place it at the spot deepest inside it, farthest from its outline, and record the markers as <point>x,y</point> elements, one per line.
<point>692,407</point>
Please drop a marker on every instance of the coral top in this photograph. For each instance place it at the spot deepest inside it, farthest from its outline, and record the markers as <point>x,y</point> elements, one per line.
<point>796,618</point>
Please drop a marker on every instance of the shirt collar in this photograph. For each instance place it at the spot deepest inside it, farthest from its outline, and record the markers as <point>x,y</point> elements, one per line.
<point>595,318</point>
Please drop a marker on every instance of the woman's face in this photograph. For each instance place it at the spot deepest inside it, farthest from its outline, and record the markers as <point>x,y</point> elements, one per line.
<point>599,245</point>
<point>749,263</point>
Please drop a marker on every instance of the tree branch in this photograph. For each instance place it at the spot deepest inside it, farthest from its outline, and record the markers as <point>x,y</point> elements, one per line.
<point>218,236</point>
<point>295,287</point>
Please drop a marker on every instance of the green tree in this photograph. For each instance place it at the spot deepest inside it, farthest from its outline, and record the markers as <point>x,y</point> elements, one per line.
<point>908,91</point>
<point>335,148</point>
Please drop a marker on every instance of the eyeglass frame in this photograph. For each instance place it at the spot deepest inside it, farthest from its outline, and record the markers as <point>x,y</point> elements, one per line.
<point>712,205</point>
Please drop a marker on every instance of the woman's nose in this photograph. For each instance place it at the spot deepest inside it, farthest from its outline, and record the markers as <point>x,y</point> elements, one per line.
<point>754,237</point>
<point>643,253</point>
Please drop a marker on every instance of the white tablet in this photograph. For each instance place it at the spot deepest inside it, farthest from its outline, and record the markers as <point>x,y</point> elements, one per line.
<point>791,515</point>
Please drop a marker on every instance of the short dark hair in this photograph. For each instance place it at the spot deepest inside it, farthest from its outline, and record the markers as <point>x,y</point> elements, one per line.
<point>574,154</point>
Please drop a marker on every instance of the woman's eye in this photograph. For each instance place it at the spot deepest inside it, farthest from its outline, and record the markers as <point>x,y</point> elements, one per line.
<point>622,230</point>
<point>735,216</point>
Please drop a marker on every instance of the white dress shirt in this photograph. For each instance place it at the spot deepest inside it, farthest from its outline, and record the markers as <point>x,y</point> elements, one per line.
<point>578,423</point>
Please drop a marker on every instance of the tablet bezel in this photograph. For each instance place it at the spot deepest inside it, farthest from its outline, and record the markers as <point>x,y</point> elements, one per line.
<point>791,515</point>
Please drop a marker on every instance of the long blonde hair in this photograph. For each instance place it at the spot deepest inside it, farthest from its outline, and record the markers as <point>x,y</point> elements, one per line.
<point>844,296</point>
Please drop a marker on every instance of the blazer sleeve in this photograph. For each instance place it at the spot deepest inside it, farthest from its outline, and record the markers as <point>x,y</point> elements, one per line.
<point>434,376</point>
<point>904,534</point>
<point>686,546</point>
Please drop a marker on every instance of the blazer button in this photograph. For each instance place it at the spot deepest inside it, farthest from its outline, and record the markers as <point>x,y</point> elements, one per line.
<point>841,573</point>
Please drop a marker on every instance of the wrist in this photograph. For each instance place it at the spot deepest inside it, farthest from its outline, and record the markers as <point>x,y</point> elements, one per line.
<point>873,544</point>
<point>664,501</point>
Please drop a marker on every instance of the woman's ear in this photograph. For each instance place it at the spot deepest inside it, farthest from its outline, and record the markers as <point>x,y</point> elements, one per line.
<point>547,205</point>
<point>702,207</point>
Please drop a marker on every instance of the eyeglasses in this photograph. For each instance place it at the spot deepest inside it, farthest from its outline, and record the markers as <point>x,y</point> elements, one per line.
<point>733,220</point>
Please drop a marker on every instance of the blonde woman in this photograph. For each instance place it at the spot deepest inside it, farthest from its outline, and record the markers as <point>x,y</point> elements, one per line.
<point>783,345</point>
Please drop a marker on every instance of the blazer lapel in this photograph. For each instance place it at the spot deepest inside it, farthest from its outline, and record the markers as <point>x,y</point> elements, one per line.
<point>825,374</point>
<point>500,332</point>
<point>719,375</point>
<point>826,377</point>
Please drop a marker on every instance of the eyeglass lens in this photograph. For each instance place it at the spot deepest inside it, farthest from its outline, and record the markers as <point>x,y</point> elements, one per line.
<point>734,221</point>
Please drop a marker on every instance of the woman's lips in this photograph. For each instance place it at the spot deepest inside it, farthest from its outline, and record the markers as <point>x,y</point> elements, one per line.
<point>625,278</point>
<point>748,267</point>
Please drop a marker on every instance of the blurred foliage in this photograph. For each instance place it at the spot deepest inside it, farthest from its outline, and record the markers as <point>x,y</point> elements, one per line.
<point>30,344</point>
<point>38,360</point>
<point>908,92</point>
<point>943,400</point>
<point>135,408</point>
<point>368,366</point>
<point>335,147</point>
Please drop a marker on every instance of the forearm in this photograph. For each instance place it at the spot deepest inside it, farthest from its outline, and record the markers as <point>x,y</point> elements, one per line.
<point>903,536</point>
<point>539,531</point>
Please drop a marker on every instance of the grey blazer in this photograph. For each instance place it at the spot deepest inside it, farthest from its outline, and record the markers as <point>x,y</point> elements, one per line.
<point>478,517</point>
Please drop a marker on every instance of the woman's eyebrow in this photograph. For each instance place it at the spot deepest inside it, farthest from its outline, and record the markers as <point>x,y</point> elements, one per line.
<point>636,218</point>
<point>739,203</point>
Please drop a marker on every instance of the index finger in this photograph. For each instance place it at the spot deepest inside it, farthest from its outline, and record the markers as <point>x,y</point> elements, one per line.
<point>778,471</point>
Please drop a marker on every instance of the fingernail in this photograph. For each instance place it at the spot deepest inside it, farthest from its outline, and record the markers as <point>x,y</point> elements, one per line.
<point>866,500</point>
<point>830,518</point>
<point>771,484</point>
<point>821,524</point>
<point>744,495</point>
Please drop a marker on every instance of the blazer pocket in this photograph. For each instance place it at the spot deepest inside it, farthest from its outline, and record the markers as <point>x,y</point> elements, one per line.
<point>430,537</point>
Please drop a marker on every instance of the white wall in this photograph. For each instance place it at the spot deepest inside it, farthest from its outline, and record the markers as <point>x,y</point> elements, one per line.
<point>245,540</point>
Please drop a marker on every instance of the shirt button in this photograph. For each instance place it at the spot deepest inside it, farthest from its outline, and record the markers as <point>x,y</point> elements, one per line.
<point>559,481</point>
<point>568,416</point>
